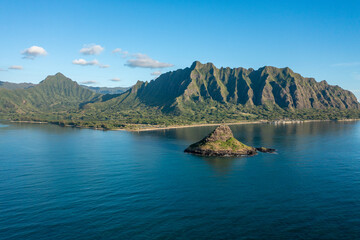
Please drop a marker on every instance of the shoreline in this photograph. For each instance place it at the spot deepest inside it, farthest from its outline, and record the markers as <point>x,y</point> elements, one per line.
<point>278,122</point>
<point>28,122</point>
<point>189,126</point>
<point>154,128</point>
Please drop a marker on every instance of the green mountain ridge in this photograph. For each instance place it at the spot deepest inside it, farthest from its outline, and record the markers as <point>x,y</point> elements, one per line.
<point>201,93</point>
<point>179,90</point>
<point>12,86</point>
<point>101,90</point>
<point>56,93</point>
<point>107,90</point>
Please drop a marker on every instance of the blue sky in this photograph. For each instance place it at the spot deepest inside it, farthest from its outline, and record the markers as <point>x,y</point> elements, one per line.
<point>319,39</point>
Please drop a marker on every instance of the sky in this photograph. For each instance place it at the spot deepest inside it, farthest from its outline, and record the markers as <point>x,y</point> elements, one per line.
<point>116,43</point>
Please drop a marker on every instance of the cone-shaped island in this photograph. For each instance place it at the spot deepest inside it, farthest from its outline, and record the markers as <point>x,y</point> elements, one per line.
<point>221,142</point>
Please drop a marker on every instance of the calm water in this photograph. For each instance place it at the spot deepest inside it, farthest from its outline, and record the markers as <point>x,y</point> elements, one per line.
<point>63,183</point>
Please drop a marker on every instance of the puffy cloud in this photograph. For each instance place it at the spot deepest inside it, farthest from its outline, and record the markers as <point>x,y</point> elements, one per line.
<point>144,61</point>
<point>91,49</point>
<point>124,54</point>
<point>34,51</point>
<point>115,80</point>
<point>88,82</point>
<point>16,67</point>
<point>83,62</point>
<point>156,73</point>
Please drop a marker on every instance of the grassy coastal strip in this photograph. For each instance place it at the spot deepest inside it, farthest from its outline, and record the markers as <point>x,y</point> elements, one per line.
<point>144,127</point>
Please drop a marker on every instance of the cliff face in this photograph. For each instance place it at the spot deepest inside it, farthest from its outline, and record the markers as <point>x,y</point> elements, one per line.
<point>220,142</point>
<point>267,86</point>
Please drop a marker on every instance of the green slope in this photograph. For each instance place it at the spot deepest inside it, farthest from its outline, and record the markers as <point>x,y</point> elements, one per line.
<point>205,86</point>
<point>54,94</point>
<point>12,86</point>
<point>107,90</point>
<point>201,93</point>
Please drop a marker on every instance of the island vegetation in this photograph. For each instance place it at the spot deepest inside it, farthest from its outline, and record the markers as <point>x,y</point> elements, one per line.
<point>221,142</point>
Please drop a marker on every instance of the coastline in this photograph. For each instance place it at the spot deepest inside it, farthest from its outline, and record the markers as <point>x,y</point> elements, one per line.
<point>28,122</point>
<point>155,128</point>
<point>189,126</point>
<point>279,122</point>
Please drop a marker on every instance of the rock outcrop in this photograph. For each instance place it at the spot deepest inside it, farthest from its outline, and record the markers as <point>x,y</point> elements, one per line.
<point>265,150</point>
<point>221,142</point>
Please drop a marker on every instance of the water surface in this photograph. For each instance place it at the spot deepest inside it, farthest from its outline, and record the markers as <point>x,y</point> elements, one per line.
<point>64,183</point>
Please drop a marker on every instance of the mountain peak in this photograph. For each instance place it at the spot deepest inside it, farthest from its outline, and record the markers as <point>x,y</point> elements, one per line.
<point>198,65</point>
<point>195,64</point>
<point>59,74</point>
<point>59,82</point>
<point>222,133</point>
<point>137,86</point>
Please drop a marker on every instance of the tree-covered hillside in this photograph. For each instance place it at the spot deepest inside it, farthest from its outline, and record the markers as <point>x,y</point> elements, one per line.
<point>56,93</point>
<point>201,93</point>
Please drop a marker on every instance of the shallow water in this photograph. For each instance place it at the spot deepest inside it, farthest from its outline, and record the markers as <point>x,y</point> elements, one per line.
<point>64,183</point>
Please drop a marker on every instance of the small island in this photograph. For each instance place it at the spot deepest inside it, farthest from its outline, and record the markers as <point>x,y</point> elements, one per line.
<point>221,142</point>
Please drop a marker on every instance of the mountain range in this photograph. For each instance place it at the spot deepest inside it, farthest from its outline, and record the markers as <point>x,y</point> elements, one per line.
<point>107,90</point>
<point>101,90</point>
<point>267,86</point>
<point>199,93</point>
<point>12,86</point>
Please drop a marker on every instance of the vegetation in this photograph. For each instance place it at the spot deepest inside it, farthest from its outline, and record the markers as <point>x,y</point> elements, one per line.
<point>220,142</point>
<point>12,86</point>
<point>195,95</point>
<point>107,90</point>
<point>230,144</point>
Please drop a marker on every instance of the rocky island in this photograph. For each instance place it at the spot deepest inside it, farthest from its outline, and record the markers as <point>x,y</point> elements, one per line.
<point>221,142</point>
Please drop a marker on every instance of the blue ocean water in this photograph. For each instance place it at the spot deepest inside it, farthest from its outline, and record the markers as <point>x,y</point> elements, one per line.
<point>64,183</point>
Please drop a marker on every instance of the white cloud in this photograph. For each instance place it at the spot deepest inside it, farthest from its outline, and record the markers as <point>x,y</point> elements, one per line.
<point>115,79</point>
<point>34,51</point>
<point>88,82</point>
<point>144,61</point>
<point>156,73</point>
<point>91,49</point>
<point>116,50</point>
<point>103,66</point>
<point>1,70</point>
<point>16,67</point>
<point>124,54</point>
<point>83,62</point>
<point>346,64</point>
